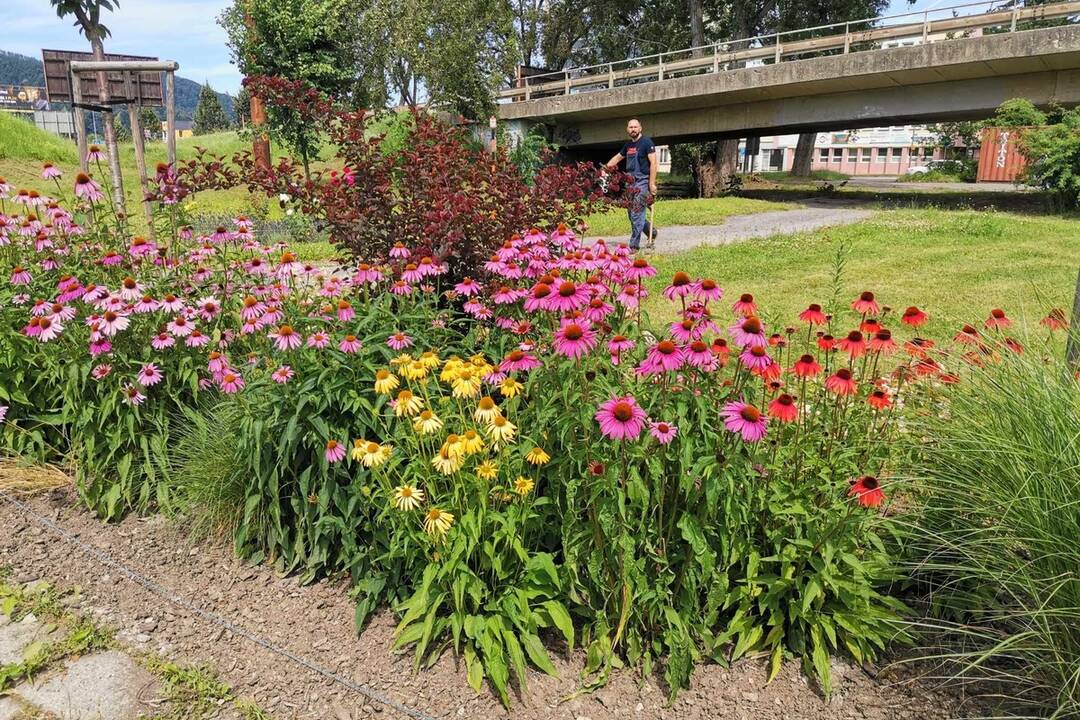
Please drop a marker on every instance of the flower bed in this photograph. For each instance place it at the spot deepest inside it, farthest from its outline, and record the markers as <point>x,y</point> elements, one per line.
<point>506,459</point>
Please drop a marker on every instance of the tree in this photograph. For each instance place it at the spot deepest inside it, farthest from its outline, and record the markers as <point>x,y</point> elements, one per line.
<point>121,131</point>
<point>150,122</point>
<point>242,107</point>
<point>209,117</point>
<point>1018,112</point>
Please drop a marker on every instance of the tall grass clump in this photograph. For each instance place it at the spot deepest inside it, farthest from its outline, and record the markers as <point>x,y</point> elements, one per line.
<point>996,549</point>
<point>22,140</point>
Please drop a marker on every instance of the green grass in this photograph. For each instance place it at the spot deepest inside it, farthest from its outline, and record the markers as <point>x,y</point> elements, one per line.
<point>931,176</point>
<point>22,140</point>
<point>785,176</point>
<point>703,211</point>
<point>956,265</point>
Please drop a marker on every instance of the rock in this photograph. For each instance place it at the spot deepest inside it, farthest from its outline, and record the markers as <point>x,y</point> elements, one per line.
<point>107,684</point>
<point>10,709</point>
<point>16,637</point>
<point>142,638</point>
<point>639,707</point>
<point>750,696</point>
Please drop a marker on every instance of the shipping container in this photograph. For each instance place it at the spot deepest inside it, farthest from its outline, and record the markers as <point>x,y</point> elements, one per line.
<point>1000,159</point>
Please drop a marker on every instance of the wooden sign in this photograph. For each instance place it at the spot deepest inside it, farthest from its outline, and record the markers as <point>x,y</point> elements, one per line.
<point>144,88</point>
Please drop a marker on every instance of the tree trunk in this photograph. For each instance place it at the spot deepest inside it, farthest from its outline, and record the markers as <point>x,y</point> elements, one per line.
<point>804,155</point>
<point>98,49</point>
<point>715,170</point>
<point>697,26</point>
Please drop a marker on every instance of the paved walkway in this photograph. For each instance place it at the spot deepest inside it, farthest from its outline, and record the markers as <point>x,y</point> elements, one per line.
<point>889,182</point>
<point>816,215</point>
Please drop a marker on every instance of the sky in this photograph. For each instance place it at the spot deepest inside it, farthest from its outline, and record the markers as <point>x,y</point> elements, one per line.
<point>182,30</point>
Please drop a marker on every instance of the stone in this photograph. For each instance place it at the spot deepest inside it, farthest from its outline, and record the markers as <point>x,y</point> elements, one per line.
<point>750,696</point>
<point>16,637</point>
<point>104,686</point>
<point>9,708</point>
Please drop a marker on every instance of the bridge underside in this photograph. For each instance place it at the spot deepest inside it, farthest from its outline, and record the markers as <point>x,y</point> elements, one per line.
<point>948,80</point>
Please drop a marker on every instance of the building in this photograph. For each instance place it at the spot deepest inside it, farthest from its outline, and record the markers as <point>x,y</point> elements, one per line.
<point>184,128</point>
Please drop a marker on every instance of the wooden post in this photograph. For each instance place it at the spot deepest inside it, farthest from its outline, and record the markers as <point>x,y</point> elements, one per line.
<point>1072,346</point>
<point>140,161</point>
<point>260,144</point>
<point>80,122</point>
<point>170,116</point>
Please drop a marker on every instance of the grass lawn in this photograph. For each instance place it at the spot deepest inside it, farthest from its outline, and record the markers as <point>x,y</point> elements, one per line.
<point>956,265</point>
<point>786,177</point>
<point>703,211</point>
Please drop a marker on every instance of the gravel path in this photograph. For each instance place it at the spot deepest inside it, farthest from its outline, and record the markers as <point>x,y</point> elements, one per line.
<point>315,622</point>
<point>817,214</point>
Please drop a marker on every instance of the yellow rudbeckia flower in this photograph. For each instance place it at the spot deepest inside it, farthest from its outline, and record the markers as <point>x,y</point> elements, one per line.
<point>447,463</point>
<point>467,384</point>
<point>537,456</point>
<point>430,360</point>
<point>438,522</point>
<point>407,404</point>
<point>510,387</point>
<point>523,486</point>
<point>385,382</point>
<point>408,497</point>
<point>487,470</point>
<point>427,423</point>
<point>402,359</point>
<point>471,442</point>
<point>486,410</point>
<point>501,430</point>
<point>371,454</point>
<point>415,370</point>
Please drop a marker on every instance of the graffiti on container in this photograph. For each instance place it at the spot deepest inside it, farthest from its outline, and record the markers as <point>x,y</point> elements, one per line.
<point>1002,149</point>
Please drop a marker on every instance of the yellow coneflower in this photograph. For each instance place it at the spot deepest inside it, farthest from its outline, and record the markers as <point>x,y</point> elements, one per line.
<point>487,470</point>
<point>486,410</point>
<point>502,495</point>
<point>402,359</point>
<point>430,360</point>
<point>502,430</point>
<point>523,485</point>
<point>451,368</point>
<point>385,382</point>
<point>407,404</point>
<point>467,384</point>
<point>438,522</point>
<point>480,365</point>
<point>537,456</point>
<point>415,370</point>
<point>454,446</point>
<point>510,387</point>
<point>427,423</point>
<point>371,454</point>
<point>447,463</point>
<point>408,497</point>
<point>471,442</point>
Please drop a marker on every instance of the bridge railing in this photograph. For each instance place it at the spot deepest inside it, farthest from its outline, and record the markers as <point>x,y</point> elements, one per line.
<point>834,38</point>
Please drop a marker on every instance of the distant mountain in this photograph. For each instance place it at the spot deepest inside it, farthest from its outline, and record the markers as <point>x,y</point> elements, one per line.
<point>16,69</point>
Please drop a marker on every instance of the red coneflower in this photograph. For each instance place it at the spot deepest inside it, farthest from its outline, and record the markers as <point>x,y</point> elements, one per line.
<point>914,317</point>
<point>866,305</point>
<point>806,367</point>
<point>869,326</point>
<point>1055,320</point>
<point>841,382</point>
<point>826,342</point>
<point>784,409</point>
<point>1013,345</point>
<point>917,347</point>
<point>745,305</point>
<point>997,320</point>
<point>867,490</point>
<point>813,315</point>
<point>882,342</point>
<point>854,344</point>
<point>880,399</point>
<point>967,335</point>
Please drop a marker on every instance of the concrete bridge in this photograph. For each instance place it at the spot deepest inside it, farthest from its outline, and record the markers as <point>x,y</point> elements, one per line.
<point>719,91</point>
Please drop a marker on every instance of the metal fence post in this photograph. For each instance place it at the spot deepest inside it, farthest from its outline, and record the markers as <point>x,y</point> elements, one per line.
<point>610,76</point>
<point>715,59</point>
<point>1015,17</point>
<point>566,82</point>
<point>777,48</point>
<point>661,73</point>
<point>847,38</point>
<point>926,26</point>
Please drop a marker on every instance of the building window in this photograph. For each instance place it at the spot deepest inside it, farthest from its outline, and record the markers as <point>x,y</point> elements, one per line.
<point>823,155</point>
<point>867,154</point>
<point>838,154</point>
<point>897,153</point>
<point>853,155</point>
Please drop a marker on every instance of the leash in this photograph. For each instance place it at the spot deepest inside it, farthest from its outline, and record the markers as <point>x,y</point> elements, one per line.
<point>105,559</point>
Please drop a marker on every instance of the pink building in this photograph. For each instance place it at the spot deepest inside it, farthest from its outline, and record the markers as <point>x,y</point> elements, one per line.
<point>871,151</point>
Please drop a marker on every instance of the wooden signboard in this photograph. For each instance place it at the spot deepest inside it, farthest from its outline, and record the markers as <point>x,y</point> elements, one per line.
<point>144,88</point>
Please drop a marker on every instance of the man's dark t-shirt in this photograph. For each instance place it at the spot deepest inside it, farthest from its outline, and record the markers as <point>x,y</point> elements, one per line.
<point>637,157</point>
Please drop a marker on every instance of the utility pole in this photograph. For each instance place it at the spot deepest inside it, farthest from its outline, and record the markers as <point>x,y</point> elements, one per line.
<point>260,145</point>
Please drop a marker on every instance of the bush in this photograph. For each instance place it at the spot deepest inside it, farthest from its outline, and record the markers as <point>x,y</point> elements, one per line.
<point>1017,113</point>
<point>995,545</point>
<point>1053,156</point>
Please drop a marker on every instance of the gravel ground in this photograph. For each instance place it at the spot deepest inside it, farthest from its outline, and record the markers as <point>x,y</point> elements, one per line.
<point>817,214</point>
<point>315,623</point>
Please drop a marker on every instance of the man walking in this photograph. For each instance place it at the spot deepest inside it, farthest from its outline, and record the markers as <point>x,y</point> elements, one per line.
<point>640,155</point>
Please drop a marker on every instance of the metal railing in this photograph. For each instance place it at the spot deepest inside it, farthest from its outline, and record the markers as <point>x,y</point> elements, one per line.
<point>858,35</point>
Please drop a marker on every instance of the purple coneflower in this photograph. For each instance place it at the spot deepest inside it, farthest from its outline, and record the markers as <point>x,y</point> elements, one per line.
<point>663,432</point>
<point>621,418</point>
<point>745,419</point>
<point>149,375</point>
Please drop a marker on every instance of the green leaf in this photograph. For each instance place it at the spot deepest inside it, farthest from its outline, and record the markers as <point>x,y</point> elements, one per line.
<point>537,654</point>
<point>561,619</point>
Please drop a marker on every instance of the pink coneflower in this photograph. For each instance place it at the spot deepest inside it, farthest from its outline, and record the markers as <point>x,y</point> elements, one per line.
<point>179,326</point>
<point>400,287</point>
<point>146,304</point>
<point>573,340</point>
<point>631,295</point>
<point>664,356</point>
<point>149,375</point>
<point>914,317</point>
<point>87,189</point>
<point>755,357</point>
<point>620,344</point>
<point>94,154</point>
<point>171,303</point>
<point>685,331</point>
<point>112,322</point>
<point>411,274</point>
<point>218,363</point>
<point>48,329</point>
<point>20,276</point>
<point>285,338</point>
<point>621,418</point>
<point>399,341</point>
<point>366,274</point>
<point>318,340</point>
<point>196,340</point>
<point>50,171</point>
<point>639,270</point>
<point>708,291</point>
<point>345,311</point>
<point>251,309</point>
<point>867,490</point>
<point>208,308</point>
<point>866,305</point>
<point>853,344</point>
<point>537,298</point>
<point>335,451</point>
<point>680,286</point>
<point>567,297</point>
<point>841,382</point>
<point>806,367</point>
<point>745,305</point>
<point>141,247</point>
<point>282,375</point>
<point>997,320</point>
<point>350,344</point>
<point>132,395</point>
<point>231,382</point>
<point>506,295</point>
<point>598,309</point>
<point>749,331</point>
<point>700,355</point>
<point>162,341</point>
<point>101,371</point>
<point>399,251</point>
<point>467,287</point>
<point>518,361</point>
<point>663,432</point>
<point>746,420</point>
<point>813,315</point>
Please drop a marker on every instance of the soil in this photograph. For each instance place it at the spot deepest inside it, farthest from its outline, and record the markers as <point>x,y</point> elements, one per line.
<point>316,623</point>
